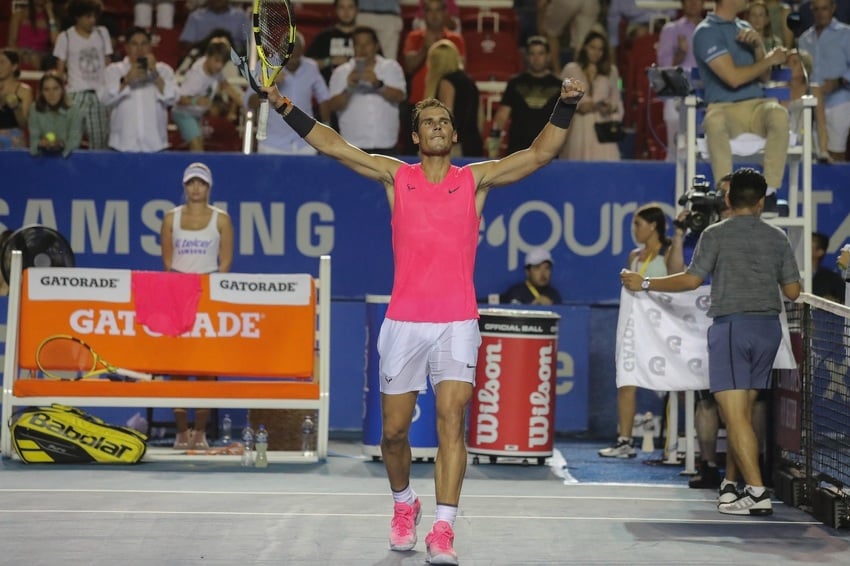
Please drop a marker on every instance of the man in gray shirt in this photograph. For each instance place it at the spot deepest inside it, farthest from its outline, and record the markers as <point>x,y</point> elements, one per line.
<point>747,259</point>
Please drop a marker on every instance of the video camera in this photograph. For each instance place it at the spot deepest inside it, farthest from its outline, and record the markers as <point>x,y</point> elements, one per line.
<point>704,206</point>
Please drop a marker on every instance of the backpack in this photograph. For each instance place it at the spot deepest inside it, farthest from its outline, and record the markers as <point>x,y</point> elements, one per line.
<point>66,435</point>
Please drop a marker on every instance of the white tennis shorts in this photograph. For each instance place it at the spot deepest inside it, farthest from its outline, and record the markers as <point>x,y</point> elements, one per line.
<point>411,351</point>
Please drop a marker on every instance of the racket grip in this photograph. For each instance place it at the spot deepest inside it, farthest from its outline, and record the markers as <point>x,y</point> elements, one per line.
<point>263,120</point>
<point>135,374</point>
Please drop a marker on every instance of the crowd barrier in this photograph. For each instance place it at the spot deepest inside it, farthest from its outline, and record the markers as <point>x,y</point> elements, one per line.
<point>282,347</point>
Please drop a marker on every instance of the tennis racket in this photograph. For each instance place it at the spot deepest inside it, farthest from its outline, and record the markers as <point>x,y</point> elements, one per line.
<point>61,353</point>
<point>274,39</point>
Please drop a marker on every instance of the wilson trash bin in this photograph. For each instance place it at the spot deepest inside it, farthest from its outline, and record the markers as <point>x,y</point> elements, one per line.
<point>512,413</point>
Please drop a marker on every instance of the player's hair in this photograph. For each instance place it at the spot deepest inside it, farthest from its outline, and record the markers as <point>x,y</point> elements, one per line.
<point>79,8</point>
<point>604,64</point>
<point>746,188</point>
<point>821,241</point>
<point>366,30</point>
<point>537,40</point>
<point>429,103</point>
<point>41,103</point>
<point>653,214</point>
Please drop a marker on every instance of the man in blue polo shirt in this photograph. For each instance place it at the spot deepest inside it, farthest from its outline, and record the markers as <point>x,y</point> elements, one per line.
<point>732,62</point>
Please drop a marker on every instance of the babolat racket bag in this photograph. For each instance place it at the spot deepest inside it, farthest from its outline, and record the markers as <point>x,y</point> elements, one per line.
<point>65,435</point>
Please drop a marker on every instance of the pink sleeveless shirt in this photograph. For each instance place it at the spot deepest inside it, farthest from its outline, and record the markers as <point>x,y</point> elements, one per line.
<point>435,236</point>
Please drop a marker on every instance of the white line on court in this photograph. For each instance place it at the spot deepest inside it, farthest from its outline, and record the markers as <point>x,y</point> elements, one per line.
<point>135,512</point>
<point>353,494</point>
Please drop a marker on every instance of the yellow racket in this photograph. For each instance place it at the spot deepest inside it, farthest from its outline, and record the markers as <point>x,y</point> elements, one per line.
<point>274,39</point>
<point>59,354</point>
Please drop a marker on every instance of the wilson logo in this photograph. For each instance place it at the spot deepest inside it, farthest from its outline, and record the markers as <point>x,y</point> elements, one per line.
<point>101,443</point>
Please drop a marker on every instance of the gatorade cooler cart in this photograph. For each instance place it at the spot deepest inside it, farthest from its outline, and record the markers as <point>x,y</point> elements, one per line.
<point>423,430</point>
<point>512,413</point>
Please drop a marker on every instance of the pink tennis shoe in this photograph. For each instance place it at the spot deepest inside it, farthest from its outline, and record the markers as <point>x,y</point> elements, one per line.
<point>403,525</point>
<point>439,544</point>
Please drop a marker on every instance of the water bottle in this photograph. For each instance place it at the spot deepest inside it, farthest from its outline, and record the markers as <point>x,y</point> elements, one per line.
<point>308,437</point>
<point>262,459</point>
<point>247,446</point>
<point>226,430</point>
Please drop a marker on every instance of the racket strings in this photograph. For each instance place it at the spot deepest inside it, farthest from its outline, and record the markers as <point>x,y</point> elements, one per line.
<point>65,355</point>
<point>275,37</point>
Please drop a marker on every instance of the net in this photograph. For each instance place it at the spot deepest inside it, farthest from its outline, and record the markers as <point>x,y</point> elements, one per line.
<point>826,419</point>
<point>275,35</point>
<point>815,406</point>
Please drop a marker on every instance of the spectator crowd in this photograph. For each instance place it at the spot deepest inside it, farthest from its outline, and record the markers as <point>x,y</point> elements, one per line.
<point>151,75</point>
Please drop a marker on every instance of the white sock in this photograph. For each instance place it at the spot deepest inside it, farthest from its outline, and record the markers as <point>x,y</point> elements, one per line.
<point>406,495</point>
<point>726,482</point>
<point>757,491</point>
<point>770,191</point>
<point>447,513</point>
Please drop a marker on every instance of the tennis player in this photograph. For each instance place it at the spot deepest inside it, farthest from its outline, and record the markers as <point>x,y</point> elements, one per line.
<point>431,326</point>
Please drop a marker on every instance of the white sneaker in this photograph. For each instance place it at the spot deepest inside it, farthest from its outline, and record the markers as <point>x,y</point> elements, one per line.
<point>620,449</point>
<point>727,494</point>
<point>748,504</point>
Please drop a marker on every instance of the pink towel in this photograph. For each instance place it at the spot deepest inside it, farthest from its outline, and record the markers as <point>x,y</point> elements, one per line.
<point>166,302</point>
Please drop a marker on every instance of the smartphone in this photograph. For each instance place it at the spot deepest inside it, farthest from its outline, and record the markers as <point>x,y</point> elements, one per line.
<point>142,62</point>
<point>360,65</point>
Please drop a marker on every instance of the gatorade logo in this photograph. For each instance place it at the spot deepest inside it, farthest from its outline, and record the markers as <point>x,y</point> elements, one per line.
<point>43,421</point>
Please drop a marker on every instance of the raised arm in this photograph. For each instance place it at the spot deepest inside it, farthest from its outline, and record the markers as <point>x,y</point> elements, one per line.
<point>329,142</point>
<point>543,149</point>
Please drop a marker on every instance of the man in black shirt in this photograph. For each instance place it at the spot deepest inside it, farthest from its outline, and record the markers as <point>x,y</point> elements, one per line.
<point>536,289</point>
<point>335,45</point>
<point>527,102</point>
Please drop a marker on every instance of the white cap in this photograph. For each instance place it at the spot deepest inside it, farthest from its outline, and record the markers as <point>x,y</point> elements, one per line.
<point>197,171</point>
<point>538,256</point>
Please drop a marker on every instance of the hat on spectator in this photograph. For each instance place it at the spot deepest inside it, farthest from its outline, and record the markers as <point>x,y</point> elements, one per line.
<point>197,171</point>
<point>538,256</point>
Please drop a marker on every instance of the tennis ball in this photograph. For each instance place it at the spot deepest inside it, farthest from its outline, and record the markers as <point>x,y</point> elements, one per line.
<point>50,136</point>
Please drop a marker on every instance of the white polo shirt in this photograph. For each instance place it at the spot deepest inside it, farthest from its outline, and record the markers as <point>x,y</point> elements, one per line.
<point>369,120</point>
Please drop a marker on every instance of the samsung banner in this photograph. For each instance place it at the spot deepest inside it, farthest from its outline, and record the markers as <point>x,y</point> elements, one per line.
<point>287,211</point>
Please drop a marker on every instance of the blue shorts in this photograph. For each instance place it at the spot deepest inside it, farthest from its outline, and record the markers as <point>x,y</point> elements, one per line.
<point>741,350</point>
<point>187,123</point>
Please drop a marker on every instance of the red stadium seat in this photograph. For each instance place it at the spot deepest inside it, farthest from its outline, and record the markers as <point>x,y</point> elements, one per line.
<point>166,46</point>
<point>481,19</point>
<point>492,55</point>
<point>641,54</point>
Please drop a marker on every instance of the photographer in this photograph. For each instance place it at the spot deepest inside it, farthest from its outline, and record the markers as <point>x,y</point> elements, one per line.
<point>747,258</point>
<point>139,90</point>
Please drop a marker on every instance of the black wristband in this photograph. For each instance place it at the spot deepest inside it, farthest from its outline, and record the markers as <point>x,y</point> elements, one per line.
<point>297,119</point>
<point>563,113</point>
